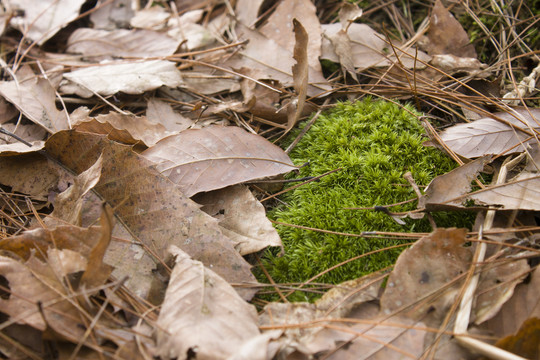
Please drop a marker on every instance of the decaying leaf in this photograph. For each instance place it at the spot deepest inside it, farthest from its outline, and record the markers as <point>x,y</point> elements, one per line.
<point>35,98</point>
<point>300,72</point>
<point>202,314</point>
<point>523,193</point>
<point>447,189</point>
<point>45,18</point>
<point>134,77</point>
<point>241,218</point>
<point>97,43</point>
<point>215,157</point>
<point>153,209</point>
<point>508,134</point>
<point>424,271</point>
<point>446,35</point>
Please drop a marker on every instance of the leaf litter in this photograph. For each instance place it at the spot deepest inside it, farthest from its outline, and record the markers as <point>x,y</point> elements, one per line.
<point>136,143</point>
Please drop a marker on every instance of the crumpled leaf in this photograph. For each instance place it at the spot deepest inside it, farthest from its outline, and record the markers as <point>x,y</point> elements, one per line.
<point>202,314</point>
<point>33,282</point>
<point>124,128</point>
<point>424,270</point>
<point>215,157</point>
<point>121,43</point>
<point>521,193</point>
<point>447,189</point>
<point>149,205</point>
<point>368,48</point>
<point>490,136</point>
<point>35,98</point>
<point>128,77</point>
<point>241,217</point>
<point>446,35</point>
<point>44,18</point>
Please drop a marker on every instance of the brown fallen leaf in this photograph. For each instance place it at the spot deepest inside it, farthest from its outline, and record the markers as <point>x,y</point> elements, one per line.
<point>424,271</point>
<point>300,72</point>
<point>130,77</point>
<point>202,314</point>
<point>99,44</point>
<point>215,157</point>
<point>241,217</point>
<point>446,35</point>
<point>35,98</point>
<point>447,189</point>
<point>491,136</point>
<point>151,208</point>
<point>160,112</point>
<point>521,193</point>
<point>124,128</point>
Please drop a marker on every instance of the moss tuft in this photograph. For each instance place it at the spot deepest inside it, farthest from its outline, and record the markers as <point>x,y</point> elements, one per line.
<point>375,143</point>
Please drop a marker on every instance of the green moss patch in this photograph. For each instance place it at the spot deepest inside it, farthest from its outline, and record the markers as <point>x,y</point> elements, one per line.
<point>375,143</point>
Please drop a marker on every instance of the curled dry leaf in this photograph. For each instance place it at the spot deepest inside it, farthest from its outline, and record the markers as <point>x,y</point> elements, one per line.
<point>124,128</point>
<point>505,133</point>
<point>446,35</point>
<point>521,193</point>
<point>215,157</point>
<point>424,271</point>
<point>202,314</point>
<point>44,18</point>
<point>447,189</point>
<point>368,48</point>
<point>35,98</point>
<point>32,282</point>
<point>241,217</point>
<point>300,72</point>
<point>121,43</point>
<point>128,77</point>
<point>153,209</point>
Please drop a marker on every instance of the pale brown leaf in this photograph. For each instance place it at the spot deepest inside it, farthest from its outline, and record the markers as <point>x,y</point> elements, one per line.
<point>300,72</point>
<point>241,217</point>
<point>490,136</point>
<point>202,314</point>
<point>160,112</point>
<point>521,193</point>
<point>95,43</point>
<point>153,209</point>
<point>447,189</point>
<point>128,77</point>
<point>215,157</point>
<point>35,98</point>
<point>280,28</point>
<point>124,128</point>
<point>44,18</point>
<point>424,270</point>
<point>446,35</point>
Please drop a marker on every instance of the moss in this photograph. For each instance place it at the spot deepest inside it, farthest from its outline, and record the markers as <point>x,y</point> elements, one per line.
<point>375,143</point>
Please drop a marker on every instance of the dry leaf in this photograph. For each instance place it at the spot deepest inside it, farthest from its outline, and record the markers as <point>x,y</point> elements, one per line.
<point>522,193</point>
<point>489,136</point>
<point>124,128</point>
<point>35,98</point>
<point>447,189</point>
<point>128,77</point>
<point>44,18</point>
<point>369,48</point>
<point>280,28</point>
<point>446,35</point>
<point>424,270</point>
<point>247,11</point>
<point>152,208</point>
<point>216,157</point>
<point>94,43</point>
<point>300,72</point>
<point>241,217</point>
<point>202,314</point>
<point>160,112</point>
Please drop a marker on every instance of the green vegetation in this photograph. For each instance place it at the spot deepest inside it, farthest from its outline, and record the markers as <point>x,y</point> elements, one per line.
<point>375,143</point>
